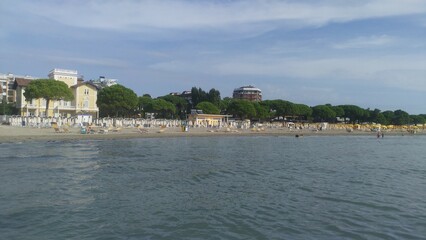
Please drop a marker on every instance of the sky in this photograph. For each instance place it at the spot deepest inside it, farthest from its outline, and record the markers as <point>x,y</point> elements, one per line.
<point>369,53</point>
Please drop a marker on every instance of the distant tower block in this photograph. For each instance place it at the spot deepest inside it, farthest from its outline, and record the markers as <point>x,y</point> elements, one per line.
<point>249,93</point>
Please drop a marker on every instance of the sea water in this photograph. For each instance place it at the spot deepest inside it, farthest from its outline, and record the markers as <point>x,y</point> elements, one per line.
<point>324,187</point>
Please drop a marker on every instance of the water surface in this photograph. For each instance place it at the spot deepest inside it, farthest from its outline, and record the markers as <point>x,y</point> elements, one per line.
<point>340,187</point>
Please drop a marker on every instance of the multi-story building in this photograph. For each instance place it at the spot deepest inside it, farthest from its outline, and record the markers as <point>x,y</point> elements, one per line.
<point>85,97</point>
<point>7,81</point>
<point>249,93</point>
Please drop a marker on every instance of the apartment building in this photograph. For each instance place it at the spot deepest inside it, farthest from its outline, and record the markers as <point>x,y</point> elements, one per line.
<point>249,93</point>
<point>84,103</point>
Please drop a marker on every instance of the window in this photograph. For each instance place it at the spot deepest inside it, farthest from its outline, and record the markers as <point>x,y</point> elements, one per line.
<point>86,91</point>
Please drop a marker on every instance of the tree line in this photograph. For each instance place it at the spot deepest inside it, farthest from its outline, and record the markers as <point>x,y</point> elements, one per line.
<point>119,101</point>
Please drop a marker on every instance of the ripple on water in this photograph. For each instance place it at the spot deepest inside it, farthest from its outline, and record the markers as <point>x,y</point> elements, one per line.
<point>214,188</point>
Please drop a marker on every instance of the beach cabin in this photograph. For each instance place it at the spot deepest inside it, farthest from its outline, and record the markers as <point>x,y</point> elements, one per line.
<point>207,120</point>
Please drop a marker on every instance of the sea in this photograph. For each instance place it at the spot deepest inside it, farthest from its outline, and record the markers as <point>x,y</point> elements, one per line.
<point>228,187</point>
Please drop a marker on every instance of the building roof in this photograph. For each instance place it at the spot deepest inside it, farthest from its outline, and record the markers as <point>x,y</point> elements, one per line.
<point>248,88</point>
<point>84,83</point>
<point>21,82</point>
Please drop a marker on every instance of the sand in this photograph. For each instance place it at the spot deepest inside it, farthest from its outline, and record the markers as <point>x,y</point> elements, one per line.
<point>22,134</point>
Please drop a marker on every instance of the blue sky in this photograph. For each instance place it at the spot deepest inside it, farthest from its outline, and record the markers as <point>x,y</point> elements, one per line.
<point>371,53</point>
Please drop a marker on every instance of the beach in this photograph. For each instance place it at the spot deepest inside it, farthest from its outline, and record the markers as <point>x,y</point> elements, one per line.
<point>23,134</point>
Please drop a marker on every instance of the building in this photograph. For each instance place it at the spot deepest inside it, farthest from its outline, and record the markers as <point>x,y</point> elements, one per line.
<point>3,91</point>
<point>103,82</point>
<point>249,93</point>
<point>197,119</point>
<point>84,103</point>
<point>6,83</point>
<point>187,95</point>
<point>3,94</point>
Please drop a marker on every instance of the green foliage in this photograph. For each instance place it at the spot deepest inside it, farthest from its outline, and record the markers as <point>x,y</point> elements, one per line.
<point>281,108</point>
<point>302,111</point>
<point>170,106</point>
<point>49,89</point>
<point>401,118</point>
<point>117,101</point>
<point>388,115</point>
<point>262,111</point>
<point>199,95</point>
<point>180,104</point>
<point>214,97</point>
<point>380,118</point>
<point>143,103</point>
<point>224,103</point>
<point>208,108</point>
<point>162,108</point>
<point>338,110</point>
<point>242,109</point>
<point>417,119</point>
<point>354,113</point>
<point>322,113</point>
<point>8,109</point>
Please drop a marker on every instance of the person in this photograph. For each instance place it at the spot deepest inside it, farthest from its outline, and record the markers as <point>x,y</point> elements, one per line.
<point>378,134</point>
<point>383,135</point>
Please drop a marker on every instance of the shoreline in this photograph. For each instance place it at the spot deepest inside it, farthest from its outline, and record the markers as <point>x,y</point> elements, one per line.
<point>9,134</point>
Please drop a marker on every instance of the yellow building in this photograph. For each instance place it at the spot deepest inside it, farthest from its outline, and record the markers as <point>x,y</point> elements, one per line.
<point>85,97</point>
<point>207,120</point>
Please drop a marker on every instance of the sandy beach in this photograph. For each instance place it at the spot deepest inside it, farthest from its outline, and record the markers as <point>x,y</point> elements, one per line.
<point>22,134</point>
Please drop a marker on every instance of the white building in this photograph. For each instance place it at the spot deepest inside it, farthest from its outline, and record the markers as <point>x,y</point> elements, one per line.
<point>103,82</point>
<point>6,84</point>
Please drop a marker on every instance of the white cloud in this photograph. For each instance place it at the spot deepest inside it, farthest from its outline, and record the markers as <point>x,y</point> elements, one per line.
<point>386,71</point>
<point>180,14</point>
<point>367,42</point>
<point>105,62</point>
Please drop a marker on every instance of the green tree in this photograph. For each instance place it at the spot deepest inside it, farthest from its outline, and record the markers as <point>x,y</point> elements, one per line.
<point>197,96</point>
<point>9,109</point>
<point>401,118</point>
<point>339,111</point>
<point>143,103</point>
<point>262,111</point>
<point>117,101</point>
<point>302,111</point>
<point>214,97</point>
<point>242,109</point>
<point>418,119</point>
<point>49,89</point>
<point>162,108</point>
<point>180,104</point>
<point>388,115</point>
<point>354,113</point>
<point>281,108</point>
<point>381,119</point>
<point>224,103</point>
<point>322,113</point>
<point>208,108</point>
